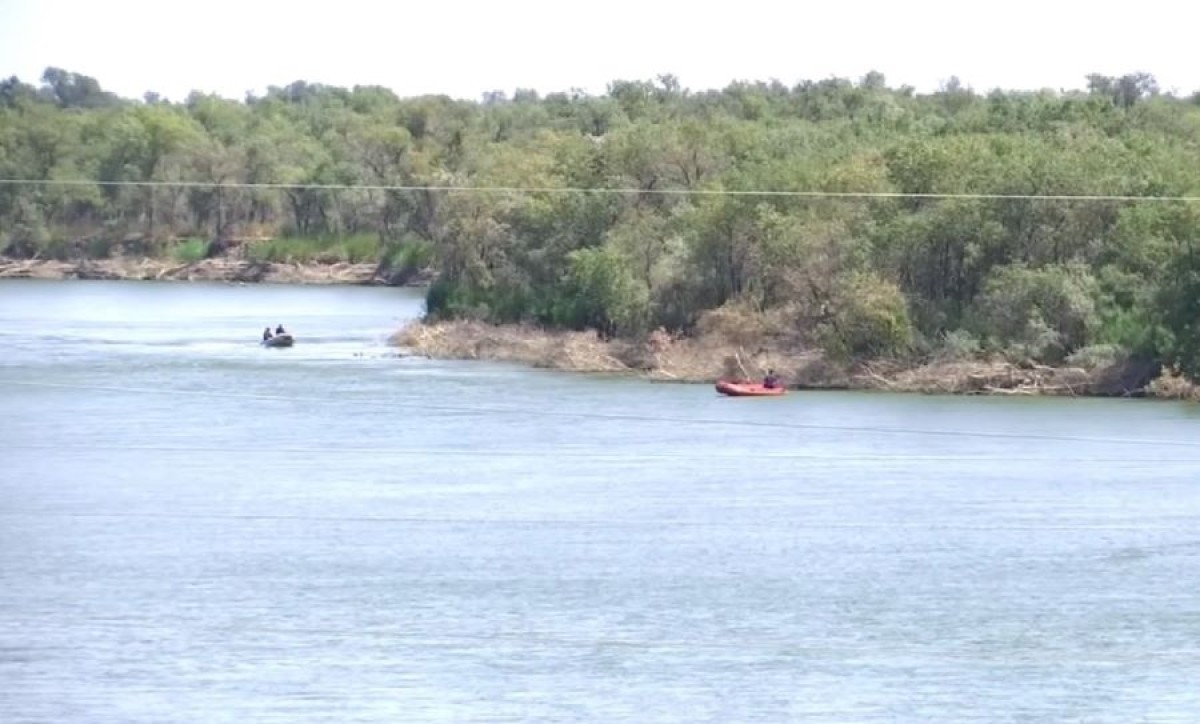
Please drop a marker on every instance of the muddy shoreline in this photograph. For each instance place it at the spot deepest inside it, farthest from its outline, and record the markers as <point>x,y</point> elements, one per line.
<point>659,356</point>
<point>208,270</point>
<point>664,358</point>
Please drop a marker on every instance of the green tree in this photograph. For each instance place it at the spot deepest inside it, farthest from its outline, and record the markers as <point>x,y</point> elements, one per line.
<point>601,293</point>
<point>1179,305</point>
<point>1043,313</point>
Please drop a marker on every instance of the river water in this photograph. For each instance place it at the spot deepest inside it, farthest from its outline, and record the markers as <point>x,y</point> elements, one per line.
<point>195,528</point>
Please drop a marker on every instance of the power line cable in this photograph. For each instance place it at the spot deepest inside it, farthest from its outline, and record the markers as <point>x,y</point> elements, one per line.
<point>598,190</point>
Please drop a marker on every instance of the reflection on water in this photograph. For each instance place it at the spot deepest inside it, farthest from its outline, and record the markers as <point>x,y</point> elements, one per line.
<point>194,528</point>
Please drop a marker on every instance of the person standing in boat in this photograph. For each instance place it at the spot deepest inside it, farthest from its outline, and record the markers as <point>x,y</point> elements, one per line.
<point>770,382</point>
<point>266,333</point>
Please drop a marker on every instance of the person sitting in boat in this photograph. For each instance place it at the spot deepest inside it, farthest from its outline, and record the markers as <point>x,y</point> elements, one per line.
<point>266,334</point>
<point>770,382</point>
<point>279,330</point>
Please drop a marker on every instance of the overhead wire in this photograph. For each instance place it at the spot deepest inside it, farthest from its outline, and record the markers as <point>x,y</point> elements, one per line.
<point>622,191</point>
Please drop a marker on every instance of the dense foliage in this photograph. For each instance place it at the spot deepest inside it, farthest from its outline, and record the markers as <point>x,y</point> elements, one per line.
<point>863,277</point>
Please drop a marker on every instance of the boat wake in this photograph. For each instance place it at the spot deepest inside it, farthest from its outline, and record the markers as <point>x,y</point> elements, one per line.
<point>212,346</point>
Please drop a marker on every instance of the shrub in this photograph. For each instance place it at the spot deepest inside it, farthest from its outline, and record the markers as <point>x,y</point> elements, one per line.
<point>411,256</point>
<point>1044,313</point>
<point>1178,307</point>
<point>99,248</point>
<point>599,292</point>
<point>734,322</point>
<point>869,318</point>
<point>190,251</point>
<point>359,248</point>
<point>1097,356</point>
<point>959,345</point>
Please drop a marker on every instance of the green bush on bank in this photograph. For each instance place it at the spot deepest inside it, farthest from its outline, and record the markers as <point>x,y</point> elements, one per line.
<point>354,249</point>
<point>1043,314</point>
<point>190,251</point>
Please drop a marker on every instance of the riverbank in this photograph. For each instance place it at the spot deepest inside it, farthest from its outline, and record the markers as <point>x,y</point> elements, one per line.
<point>215,270</point>
<point>664,357</point>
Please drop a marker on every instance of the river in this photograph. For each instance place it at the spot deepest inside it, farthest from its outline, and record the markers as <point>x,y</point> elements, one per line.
<point>195,528</point>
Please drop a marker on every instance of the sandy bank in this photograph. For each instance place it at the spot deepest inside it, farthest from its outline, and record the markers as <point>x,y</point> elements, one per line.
<point>222,270</point>
<point>700,360</point>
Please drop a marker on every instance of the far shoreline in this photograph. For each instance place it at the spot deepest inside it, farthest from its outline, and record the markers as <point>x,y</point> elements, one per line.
<point>704,360</point>
<point>659,357</point>
<point>207,270</point>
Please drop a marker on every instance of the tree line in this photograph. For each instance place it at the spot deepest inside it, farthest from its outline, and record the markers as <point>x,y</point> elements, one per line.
<point>1031,274</point>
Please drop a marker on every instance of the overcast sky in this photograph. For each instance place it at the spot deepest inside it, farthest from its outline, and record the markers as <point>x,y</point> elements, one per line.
<point>465,47</point>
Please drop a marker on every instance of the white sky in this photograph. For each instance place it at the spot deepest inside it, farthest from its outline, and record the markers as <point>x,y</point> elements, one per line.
<point>465,47</point>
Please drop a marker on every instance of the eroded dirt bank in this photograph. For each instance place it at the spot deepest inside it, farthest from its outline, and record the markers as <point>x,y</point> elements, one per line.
<point>705,360</point>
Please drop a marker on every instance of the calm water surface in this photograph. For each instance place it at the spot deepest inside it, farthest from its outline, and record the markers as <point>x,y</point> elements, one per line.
<point>194,528</point>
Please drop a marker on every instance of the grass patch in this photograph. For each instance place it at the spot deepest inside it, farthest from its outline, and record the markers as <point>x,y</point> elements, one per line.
<point>295,250</point>
<point>355,249</point>
<point>413,255</point>
<point>361,248</point>
<point>190,251</point>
